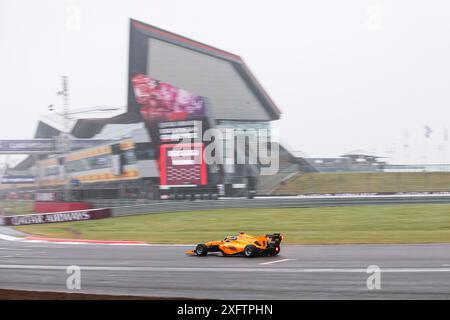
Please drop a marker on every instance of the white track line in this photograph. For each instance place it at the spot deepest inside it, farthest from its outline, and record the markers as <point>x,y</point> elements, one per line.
<point>105,244</point>
<point>195,269</point>
<point>276,261</point>
<point>23,240</point>
<point>9,238</point>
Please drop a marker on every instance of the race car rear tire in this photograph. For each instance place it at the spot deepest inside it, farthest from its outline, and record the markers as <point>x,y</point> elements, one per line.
<point>201,250</point>
<point>272,251</point>
<point>250,251</point>
<point>276,251</point>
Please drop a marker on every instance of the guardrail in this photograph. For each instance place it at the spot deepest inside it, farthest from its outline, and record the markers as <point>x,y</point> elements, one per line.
<point>274,202</point>
<point>99,203</point>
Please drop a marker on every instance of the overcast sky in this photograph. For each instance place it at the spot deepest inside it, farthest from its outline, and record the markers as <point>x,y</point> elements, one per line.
<point>347,74</point>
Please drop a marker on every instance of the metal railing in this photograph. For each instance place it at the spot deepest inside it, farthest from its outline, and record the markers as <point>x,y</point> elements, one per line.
<point>274,202</point>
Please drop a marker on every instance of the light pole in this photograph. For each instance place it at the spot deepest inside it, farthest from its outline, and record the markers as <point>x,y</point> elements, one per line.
<point>64,139</point>
<point>65,96</point>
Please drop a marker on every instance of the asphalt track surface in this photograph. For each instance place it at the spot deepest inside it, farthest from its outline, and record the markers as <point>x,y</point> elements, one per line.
<point>299,272</point>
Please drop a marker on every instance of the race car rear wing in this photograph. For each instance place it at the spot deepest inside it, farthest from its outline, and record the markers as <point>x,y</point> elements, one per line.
<point>275,237</point>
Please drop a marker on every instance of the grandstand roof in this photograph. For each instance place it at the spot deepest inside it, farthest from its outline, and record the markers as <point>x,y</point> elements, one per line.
<point>50,126</point>
<point>222,77</point>
<point>88,128</point>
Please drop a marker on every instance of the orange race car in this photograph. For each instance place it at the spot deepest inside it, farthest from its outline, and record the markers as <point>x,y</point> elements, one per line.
<point>241,245</point>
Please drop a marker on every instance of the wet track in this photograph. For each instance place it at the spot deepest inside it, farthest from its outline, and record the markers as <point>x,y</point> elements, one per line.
<point>299,272</point>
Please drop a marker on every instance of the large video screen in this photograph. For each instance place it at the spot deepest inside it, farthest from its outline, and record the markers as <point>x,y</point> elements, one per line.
<point>160,101</point>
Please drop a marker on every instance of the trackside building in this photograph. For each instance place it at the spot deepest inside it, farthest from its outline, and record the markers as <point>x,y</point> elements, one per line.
<point>177,88</point>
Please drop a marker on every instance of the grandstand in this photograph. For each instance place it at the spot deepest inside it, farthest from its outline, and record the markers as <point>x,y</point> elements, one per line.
<point>289,168</point>
<point>370,182</point>
<point>356,161</point>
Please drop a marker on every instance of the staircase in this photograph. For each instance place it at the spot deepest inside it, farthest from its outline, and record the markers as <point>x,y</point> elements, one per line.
<point>267,184</point>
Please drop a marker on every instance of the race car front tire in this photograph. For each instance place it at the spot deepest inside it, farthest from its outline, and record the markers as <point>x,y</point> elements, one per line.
<point>250,251</point>
<point>201,250</point>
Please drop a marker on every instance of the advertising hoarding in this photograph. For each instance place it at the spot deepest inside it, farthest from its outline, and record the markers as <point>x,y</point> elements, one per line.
<point>17,179</point>
<point>45,196</point>
<point>44,145</point>
<point>20,220</point>
<point>176,131</point>
<point>27,146</point>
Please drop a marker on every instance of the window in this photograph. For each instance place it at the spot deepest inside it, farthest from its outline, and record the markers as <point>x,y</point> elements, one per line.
<point>51,171</point>
<point>144,151</point>
<point>129,157</point>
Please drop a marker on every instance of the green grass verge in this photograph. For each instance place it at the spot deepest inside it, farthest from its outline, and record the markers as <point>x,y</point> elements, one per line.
<point>366,182</point>
<point>359,224</point>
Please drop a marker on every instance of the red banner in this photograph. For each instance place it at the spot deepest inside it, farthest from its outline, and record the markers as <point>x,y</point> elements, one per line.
<point>47,207</point>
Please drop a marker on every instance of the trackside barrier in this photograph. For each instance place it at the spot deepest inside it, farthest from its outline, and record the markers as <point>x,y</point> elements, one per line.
<point>55,217</point>
<point>175,206</point>
<point>55,206</point>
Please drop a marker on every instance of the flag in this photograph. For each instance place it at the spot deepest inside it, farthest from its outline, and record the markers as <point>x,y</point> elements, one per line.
<point>428,132</point>
<point>406,136</point>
